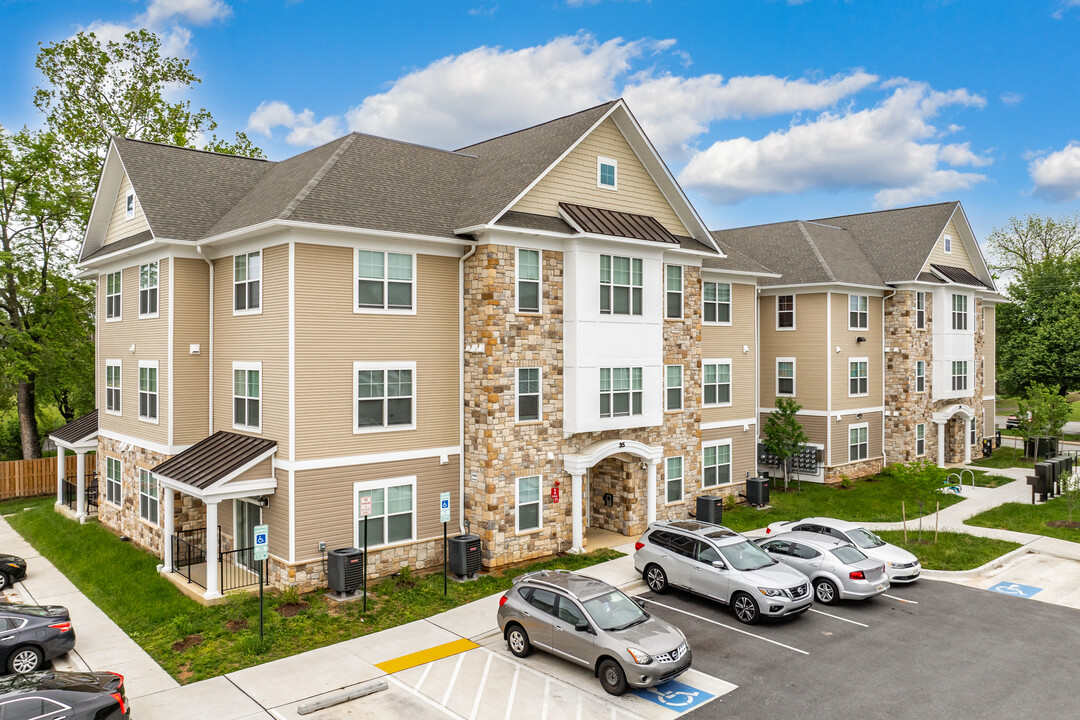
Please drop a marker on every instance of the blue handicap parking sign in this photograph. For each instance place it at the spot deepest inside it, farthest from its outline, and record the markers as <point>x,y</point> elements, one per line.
<point>1015,589</point>
<point>675,696</point>
<point>260,539</point>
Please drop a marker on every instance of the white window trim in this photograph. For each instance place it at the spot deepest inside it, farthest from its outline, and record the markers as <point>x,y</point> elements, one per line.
<point>539,283</point>
<point>375,485</point>
<point>794,375</point>
<point>149,316</point>
<point>966,314</point>
<point>139,496</point>
<point>730,303</point>
<point>117,364</point>
<point>730,463</point>
<point>852,360</point>
<point>794,315</point>
<point>120,463</point>
<point>953,376</point>
<point>916,389</point>
<point>917,453</point>
<point>138,391</point>
<point>129,205</point>
<point>681,386</point>
<point>611,392</point>
<point>120,294</point>
<point>730,382</point>
<point>681,291</point>
<point>249,311</point>
<point>540,502</point>
<point>600,160</point>
<point>973,432</point>
<point>682,480</point>
<point>247,366</point>
<point>356,285</point>
<point>922,295</point>
<point>947,244</point>
<point>852,327</point>
<point>517,395</point>
<point>357,367</point>
<point>858,426</point>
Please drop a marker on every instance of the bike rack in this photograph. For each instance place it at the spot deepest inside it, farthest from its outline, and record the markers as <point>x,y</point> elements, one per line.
<point>960,478</point>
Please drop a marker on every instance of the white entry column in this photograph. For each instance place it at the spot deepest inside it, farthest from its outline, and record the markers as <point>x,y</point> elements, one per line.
<point>967,437</point>
<point>941,444</point>
<point>80,484</point>
<point>576,492</point>
<point>650,501</point>
<point>170,528</point>
<point>61,467</point>
<point>212,590</point>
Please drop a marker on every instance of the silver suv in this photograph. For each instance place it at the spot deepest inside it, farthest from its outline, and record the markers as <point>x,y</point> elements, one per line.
<point>719,563</point>
<point>592,624</point>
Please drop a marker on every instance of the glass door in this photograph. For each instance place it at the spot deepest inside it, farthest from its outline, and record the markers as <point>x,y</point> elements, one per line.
<point>248,515</point>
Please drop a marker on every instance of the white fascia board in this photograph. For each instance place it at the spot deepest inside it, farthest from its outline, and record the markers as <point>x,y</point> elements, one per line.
<point>83,444</point>
<point>245,467</point>
<point>717,272</point>
<point>145,444</point>
<point>155,248</point>
<point>826,287</point>
<point>262,227</point>
<point>346,461</point>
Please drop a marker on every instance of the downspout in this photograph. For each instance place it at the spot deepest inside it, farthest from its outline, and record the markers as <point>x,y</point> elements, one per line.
<point>461,389</point>
<point>210,374</point>
<point>884,455</point>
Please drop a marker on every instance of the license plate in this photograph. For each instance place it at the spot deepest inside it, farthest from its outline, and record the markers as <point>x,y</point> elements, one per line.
<point>880,588</point>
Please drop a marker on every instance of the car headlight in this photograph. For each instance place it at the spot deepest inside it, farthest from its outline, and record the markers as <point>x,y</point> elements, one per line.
<point>771,592</point>
<point>14,565</point>
<point>889,564</point>
<point>640,656</point>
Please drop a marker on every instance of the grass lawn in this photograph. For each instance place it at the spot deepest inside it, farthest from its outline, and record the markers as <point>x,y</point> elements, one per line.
<point>870,500</point>
<point>983,478</point>
<point>952,551</point>
<point>1033,519</point>
<point>193,642</point>
<point>1065,437</point>
<point>1006,457</point>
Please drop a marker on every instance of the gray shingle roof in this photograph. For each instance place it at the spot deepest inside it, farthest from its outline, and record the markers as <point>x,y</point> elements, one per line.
<point>78,429</point>
<point>130,241</point>
<point>532,221</point>
<point>208,461</point>
<point>735,261</point>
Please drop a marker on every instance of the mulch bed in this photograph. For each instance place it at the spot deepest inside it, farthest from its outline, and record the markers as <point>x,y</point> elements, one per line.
<point>291,609</point>
<point>188,642</point>
<point>1071,524</point>
<point>234,626</point>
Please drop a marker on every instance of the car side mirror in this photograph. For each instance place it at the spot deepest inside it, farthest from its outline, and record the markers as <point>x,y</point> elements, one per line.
<point>719,565</point>
<point>640,603</point>
<point>582,627</point>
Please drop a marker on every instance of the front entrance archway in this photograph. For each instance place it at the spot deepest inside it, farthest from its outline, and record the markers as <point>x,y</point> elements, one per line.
<point>942,419</point>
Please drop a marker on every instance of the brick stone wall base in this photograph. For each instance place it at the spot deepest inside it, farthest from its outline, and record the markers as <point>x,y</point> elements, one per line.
<point>853,470</point>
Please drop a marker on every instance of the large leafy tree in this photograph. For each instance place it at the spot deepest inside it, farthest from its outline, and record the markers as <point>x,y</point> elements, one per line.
<point>1025,243</point>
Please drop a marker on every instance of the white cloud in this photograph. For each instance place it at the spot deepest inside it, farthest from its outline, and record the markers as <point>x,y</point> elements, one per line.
<point>1057,175</point>
<point>483,10</point>
<point>166,18</point>
<point>1012,98</point>
<point>304,131</point>
<point>1065,6</point>
<point>886,147</point>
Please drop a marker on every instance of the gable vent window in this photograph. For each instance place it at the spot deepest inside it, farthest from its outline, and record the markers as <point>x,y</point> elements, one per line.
<point>247,281</point>
<point>948,245</point>
<point>606,173</point>
<point>384,280</point>
<point>129,206</point>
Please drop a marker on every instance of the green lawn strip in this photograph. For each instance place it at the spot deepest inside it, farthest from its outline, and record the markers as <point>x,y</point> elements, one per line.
<point>875,499</point>
<point>952,551</point>
<point>1033,519</point>
<point>193,642</point>
<point>984,479</point>
<point>1006,457</point>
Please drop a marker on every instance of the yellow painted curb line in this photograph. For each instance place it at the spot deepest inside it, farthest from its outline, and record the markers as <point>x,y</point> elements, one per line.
<point>425,656</point>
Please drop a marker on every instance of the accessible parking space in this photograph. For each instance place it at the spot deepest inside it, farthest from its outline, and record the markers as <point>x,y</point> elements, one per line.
<point>1036,576</point>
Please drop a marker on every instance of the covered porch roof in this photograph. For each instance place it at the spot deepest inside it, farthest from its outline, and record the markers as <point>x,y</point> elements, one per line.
<point>79,434</point>
<point>214,469</point>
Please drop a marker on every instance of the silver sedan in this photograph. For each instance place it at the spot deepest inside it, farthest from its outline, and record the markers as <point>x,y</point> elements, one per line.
<point>837,569</point>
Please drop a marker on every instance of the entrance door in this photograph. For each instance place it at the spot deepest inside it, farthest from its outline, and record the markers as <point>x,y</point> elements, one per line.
<point>248,515</point>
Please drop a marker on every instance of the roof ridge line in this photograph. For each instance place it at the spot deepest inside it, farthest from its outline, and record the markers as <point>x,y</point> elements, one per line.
<point>309,186</point>
<point>815,222</point>
<point>817,253</point>
<point>192,149</point>
<point>539,124</point>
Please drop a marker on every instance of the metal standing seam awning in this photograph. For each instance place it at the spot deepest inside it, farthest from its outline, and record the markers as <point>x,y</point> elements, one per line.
<point>79,434</point>
<point>210,469</point>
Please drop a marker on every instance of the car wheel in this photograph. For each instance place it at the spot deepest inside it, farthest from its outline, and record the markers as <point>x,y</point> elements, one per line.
<point>825,592</point>
<point>612,677</point>
<point>25,660</point>
<point>655,577</point>
<point>745,609</point>
<point>5,581</point>
<point>518,641</point>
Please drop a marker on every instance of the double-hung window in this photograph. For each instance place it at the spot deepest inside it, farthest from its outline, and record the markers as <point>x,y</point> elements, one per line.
<point>785,376</point>
<point>620,392</point>
<point>785,312</point>
<point>858,442</point>
<point>148,289</point>
<point>527,508</point>
<point>858,376</point>
<point>393,511</point>
<point>716,298</point>
<point>620,285</point>
<point>112,387</point>
<point>385,396</point>
<point>673,277</point>
<point>673,387</point>
<point>959,375</point>
<point>384,280</point>
<point>920,310</point>
<point>920,439</point>
<point>113,482</point>
<point>920,376</point>
<point>716,382</point>
<point>972,440</point>
<point>673,478</point>
<point>247,282</point>
<point>959,312</point>
<point>148,496</point>
<point>148,392</point>
<point>113,296</point>
<point>528,281</point>
<point>247,395</point>
<point>528,394</point>
<point>858,312</point>
<point>607,173</point>
<point>716,464</point>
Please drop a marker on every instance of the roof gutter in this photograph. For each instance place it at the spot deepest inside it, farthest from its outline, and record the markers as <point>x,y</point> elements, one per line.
<point>461,389</point>
<point>210,384</point>
<point>258,228</point>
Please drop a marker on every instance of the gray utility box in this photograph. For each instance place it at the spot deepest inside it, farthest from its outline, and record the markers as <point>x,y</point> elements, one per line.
<point>345,569</point>
<point>710,509</point>
<point>465,555</point>
<point>757,491</point>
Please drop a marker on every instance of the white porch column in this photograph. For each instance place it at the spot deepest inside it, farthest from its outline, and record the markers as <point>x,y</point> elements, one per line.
<point>967,445</point>
<point>211,550</point>
<point>650,502</point>
<point>170,527</point>
<point>61,465</point>
<point>941,444</point>
<point>80,484</point>
<point>576,491</point>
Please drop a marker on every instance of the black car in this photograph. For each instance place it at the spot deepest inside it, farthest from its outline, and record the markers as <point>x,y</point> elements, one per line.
<point>32,634</point>
<point>67,695</point>
<point>12,570</point>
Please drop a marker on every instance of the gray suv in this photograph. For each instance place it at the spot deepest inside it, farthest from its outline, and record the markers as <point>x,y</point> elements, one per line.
<point>719,563</point>
<point>592,624</point>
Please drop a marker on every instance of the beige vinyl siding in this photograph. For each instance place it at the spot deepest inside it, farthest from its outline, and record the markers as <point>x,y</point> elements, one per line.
<point>849,348</point>
<point>959,256</point>
<point>839,451</point>
<point>807,344</point>
<point>191,382</point>
<point>325,507</point>
<point>119,226</point>
<point>150,336</point>
<point>226,510</point>
<point>330,337</point>
<point>259,337</point>
<point>743,451</point>
<point>720,341</point>
<point>990,349</point>
<point>261,471</point>
<point>813,425</point>
<point>276,516</point>
<point>989,413</point>
<point>574,180</point>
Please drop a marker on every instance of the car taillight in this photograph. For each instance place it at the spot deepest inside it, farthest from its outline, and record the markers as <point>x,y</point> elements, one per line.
<point>118,696</point>
<point>857,575</point>
<point>638,545</point>
<point>768,530</point>
<point>502,600</point>
<point>62,627</point>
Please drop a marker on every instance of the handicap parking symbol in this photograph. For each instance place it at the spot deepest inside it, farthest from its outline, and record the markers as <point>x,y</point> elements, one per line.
<point>1015,589</point>
<point>675,695</point>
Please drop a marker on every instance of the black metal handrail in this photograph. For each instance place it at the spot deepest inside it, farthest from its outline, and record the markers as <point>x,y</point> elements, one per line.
<point>70,492</point>
<point>235,569</point>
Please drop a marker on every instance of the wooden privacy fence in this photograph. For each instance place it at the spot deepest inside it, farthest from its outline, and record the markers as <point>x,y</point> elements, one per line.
<point>31,478</point>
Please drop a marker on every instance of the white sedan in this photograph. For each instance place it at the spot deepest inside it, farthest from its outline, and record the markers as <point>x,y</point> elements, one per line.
<point>900,565</point>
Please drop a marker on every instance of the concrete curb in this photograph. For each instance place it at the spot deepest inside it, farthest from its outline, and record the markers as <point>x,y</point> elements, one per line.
<point>983,570</point>
<point>306,708</point>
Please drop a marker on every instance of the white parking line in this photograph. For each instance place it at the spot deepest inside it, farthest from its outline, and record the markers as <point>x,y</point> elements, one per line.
<point>480,690</point>
<point>729,627</point>
<point>909,602</point>
<point>453,679</point>
<point>425,698</point>
<point>547,693</point>
<point>423,675</point>
<point>837,617</point>
<point>513,689</point>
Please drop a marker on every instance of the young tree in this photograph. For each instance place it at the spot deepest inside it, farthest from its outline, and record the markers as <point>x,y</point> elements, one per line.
<point>783,433</point>
<point>1042,412</point>
<point>1070,488</point>
<point>922,481</point>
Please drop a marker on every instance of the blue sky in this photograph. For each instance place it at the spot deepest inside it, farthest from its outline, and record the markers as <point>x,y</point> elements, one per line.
<point>765,110</point>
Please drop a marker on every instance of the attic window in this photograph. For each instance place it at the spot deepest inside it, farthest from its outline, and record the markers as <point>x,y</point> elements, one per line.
<point>948,245</point>
<point>129,206</point>
<point>606,173</point>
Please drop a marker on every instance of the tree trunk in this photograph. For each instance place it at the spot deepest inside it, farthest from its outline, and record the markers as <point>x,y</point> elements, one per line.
<point>28,429</point>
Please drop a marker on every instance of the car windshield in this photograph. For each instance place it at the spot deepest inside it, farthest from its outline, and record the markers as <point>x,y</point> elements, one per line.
<point>865,538</point>
<point>615,611</point>
<point>746,556</point>
<point>848,554</point>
